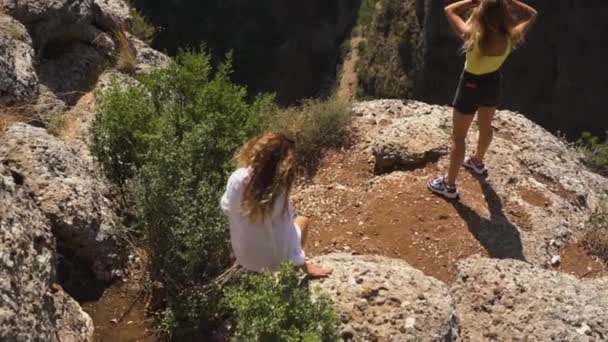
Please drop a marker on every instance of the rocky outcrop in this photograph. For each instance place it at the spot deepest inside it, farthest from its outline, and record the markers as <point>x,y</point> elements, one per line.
<point>53,52</point>
<point>500,300</point>
<point>287,48</point>
<point>18,81</point>
<point>30,310</point>
<point>71,194</point>
<point>413,53</point>
<point>382,299</point>
<point>529,168</point>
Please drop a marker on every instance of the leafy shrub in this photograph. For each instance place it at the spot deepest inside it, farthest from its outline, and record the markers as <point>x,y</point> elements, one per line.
<point>362,47</point>
<point>366,13</point>
<point>596,239</point>
<point>141,28</point>
<point>275,308</point>
<point>315,126</point>
<point>125,118</point>
<point>345,48</point>
<point>596,153</point>
<point>176,132</point>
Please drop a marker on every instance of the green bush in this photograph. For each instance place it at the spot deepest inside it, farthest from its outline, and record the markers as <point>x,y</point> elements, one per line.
<point>315,126</point>
<point>176,132</point>
<point>362,47</point>
<point>275,308</point>
<point>141,28</point>
<point>366,13</point>
<point>596,152</point>
<point>120,131</point>
<point>345,48</point>
<point>596,239</point>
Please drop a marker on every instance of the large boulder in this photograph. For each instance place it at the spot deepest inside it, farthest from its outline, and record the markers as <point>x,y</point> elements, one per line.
<point>504,300</point>
<point>18,79</point>
<point>530,169</point>
<point>70,192</point>
<point>30,310</point>
<point>382,299</point>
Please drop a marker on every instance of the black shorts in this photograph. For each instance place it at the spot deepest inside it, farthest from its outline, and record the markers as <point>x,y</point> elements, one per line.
<point>475,91</point>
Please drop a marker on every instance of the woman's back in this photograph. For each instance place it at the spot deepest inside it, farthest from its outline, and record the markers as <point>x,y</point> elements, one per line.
<point>480,62</point>
<point>264,245</point>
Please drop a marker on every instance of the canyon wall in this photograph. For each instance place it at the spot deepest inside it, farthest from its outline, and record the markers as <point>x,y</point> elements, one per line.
<point>290,48</point>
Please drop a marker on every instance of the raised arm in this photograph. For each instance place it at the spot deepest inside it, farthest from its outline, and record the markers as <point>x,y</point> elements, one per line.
<point>520,30</point>
<point>454,12</point>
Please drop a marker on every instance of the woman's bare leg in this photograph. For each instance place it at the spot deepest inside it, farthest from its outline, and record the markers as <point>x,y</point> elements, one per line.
<point>302,222</point>
<point>486,133</point>
<point>461,123</point>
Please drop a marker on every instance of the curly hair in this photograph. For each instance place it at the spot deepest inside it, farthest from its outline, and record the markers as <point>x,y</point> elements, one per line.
<point>272,158</point>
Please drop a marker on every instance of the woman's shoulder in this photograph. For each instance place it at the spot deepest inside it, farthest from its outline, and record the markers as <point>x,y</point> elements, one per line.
<point>239,176</point>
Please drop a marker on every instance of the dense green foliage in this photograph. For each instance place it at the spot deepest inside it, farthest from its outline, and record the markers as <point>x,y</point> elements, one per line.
<point>171,136</point>
<point>140,27</point>
<point>277,308</point>
<point>596,152</point>
<point>176,132</point>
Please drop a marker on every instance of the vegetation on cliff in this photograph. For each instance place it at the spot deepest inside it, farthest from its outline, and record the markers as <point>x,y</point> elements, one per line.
<point>171,138</point>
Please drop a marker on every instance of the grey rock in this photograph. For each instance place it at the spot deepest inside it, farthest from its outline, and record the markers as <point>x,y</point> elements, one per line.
<point>18,79</point>
<point>70,192</point>
<point>30,311</point>
<point>391,319</point>
<point>527,303</point>
<point>411,142</point>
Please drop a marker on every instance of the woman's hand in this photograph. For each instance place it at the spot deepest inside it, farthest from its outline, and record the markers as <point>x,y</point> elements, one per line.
<point>315,271</point>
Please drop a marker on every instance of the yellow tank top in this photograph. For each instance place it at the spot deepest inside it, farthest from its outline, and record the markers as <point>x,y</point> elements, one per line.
<point>478,64</point>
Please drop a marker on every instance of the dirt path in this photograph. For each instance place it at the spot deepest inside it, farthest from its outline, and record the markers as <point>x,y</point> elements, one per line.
<point>354,211</point>
<point>119,315</point>
<point>348,80</point>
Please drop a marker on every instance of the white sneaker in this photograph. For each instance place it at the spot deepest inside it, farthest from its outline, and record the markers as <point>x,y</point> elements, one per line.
<point>440,187</point>
<point>479,169</point>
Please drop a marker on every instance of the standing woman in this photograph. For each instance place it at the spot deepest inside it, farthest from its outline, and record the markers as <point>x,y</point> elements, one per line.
<point>488,37</point>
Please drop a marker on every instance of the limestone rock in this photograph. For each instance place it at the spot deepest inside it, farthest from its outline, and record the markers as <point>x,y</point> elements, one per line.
<point>73,324</point>
<point>382,299</point>
<point>18,80</point>
<point>412,142</point>
<point>29,311</point>
<point>69,191</point>
<point>503,300</point>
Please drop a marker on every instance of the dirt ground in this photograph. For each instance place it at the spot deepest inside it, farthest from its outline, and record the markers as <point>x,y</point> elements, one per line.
<point>395,215</point>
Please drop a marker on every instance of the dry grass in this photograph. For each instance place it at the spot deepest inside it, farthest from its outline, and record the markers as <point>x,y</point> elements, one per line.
<point>10,116</point>
<point>596,239</point>
<point>125,58</point>
<point>316,126</point>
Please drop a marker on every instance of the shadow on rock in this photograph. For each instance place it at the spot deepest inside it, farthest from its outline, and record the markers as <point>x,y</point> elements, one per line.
<point>497,235</point>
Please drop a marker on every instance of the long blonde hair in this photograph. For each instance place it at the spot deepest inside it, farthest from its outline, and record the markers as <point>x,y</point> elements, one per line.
<point>489,15</point>
<point>272,158</point>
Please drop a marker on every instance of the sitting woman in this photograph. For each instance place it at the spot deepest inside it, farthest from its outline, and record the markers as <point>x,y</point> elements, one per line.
<point>263,231</point>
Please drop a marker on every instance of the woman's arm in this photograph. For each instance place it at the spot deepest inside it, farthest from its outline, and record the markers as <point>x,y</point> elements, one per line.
<point>520,30</point>
<point>453,13</point>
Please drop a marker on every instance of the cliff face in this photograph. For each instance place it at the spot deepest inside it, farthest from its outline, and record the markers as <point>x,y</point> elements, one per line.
<point>290,48</point>
<point>555,76</point>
